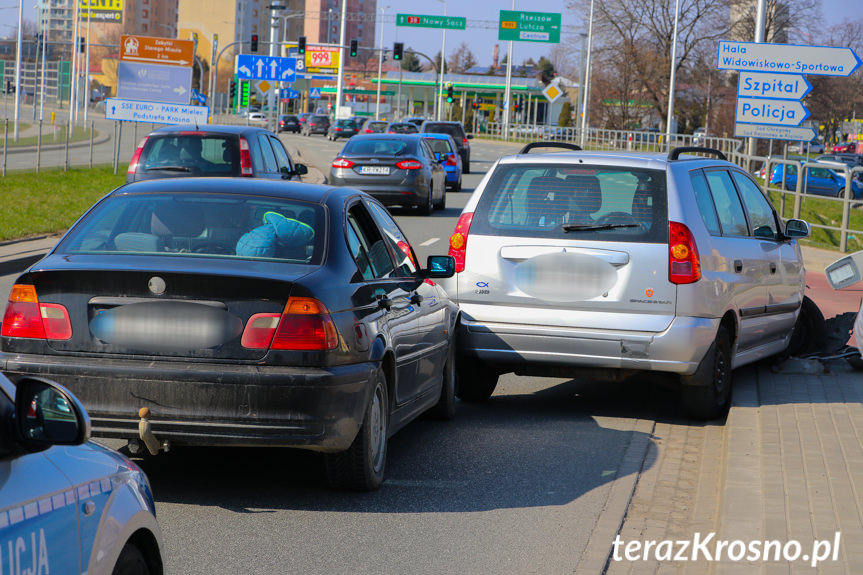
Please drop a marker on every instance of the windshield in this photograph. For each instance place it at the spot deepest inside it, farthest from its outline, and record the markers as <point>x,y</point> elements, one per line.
<point>201,225</point>
<point>378,147</point>
<point>566,201</point>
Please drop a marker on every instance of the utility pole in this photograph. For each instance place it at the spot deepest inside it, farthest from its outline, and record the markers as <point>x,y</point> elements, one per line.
<point>275,8</point>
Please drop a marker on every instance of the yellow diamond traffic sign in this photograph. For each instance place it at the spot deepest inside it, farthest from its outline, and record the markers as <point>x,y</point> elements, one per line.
<point>552,92</point>
<point>264,86</point>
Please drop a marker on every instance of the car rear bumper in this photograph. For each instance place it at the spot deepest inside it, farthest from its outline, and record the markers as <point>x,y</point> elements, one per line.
<point>518,347</point>
<point>207,404</point>
<point>408,190</point>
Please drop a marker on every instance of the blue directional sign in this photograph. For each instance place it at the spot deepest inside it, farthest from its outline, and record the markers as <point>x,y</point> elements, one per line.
<point>154,112</point>
<point>199,97</point>
<point>779,86</point>
<point>770,111</point>
<point>153,82</point>
<point>794,133</point>
<point>289,94</point>
<point>275,68</point>
<point>315,93</point>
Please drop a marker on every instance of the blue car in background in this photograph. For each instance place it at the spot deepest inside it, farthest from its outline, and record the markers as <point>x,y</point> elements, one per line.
<point>820,181</point>
<point>67,505</point>
<point>443,145</point>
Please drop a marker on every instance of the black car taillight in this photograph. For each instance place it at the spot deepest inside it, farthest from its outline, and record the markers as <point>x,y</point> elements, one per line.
<point>26,317</point>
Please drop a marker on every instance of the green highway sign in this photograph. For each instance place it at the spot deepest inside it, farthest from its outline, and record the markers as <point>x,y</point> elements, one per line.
<point>421,21</point>
<point>529,26</point>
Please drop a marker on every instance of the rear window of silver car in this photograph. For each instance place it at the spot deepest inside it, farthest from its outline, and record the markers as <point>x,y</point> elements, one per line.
<point>201,225</point>
<point>574,202</point>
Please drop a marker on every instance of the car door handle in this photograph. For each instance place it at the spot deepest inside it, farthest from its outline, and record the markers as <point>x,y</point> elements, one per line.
<point>773,267</point>
<point>416,298</point>
<point>738,266</point>
<point>385,303</point>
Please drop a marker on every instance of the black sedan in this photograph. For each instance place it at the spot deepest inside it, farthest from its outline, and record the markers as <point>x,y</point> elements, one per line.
<point>397,169</point>
<point>217,311</point>
<point>289,123</point>
<point>344,128</point>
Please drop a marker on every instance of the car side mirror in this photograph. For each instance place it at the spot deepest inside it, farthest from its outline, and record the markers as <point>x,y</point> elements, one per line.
<point>301,169</point>
<point>48,414</point>
<point>797,229</point>
<point>438,267</point>
<point>470,136</point>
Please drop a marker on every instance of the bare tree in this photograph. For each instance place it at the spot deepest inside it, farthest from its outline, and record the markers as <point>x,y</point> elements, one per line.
<point>461,59</point>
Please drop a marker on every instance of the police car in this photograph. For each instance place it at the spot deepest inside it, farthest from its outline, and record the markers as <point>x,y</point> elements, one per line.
<point>68,505</point>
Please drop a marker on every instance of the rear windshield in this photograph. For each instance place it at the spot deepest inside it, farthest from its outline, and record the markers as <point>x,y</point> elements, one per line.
<point>192,154</point>
<point>379,147</point>
<point>453,130</point>
<point>201,225</point>
<point>574,203</point>
<point>439,146</point>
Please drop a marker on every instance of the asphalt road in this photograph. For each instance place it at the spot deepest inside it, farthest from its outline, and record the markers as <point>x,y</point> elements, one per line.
<point>512,486</point>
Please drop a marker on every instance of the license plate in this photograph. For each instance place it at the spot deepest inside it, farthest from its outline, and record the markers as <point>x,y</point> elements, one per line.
<point>382,170</point>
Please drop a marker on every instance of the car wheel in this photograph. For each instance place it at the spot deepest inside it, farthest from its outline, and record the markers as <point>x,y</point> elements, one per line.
<point>475,383</point>
<point>428,204</point>
<point>445,407</point>
<point>441,205</point>
<point>457,187</point>
<point>706,393</point>
<point>465,168</point>
<point>361,467</point>
<point>131,562</point>
<point>809,330</point>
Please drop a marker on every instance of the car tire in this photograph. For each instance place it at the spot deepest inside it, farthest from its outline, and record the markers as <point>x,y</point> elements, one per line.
<point>445,407</point>
<point>809,331</point>
<point>465,168</point>
<point>131,562</point>
<point>457,186</point>
<point>707,392</point>
<point>427,206</point>
<point>474,382</point>
<point>441,205</point>
<point>362,466</point>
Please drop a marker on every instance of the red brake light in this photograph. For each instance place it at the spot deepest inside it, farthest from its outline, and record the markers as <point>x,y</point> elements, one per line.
<point>337,129</point>
<point>367,131</point>
<point>305,324</point>
<point>26,317</point>
<point>465,142</point>
<point>245,159</point>
<point>458,240</point>
<point>684,265</point>
<point>450,160</point>
<point>342,163</point>
<point>409,165</point>
<point>136,157</point>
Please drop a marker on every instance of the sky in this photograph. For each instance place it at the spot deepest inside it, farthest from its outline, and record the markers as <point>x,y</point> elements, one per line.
<point>427,40</point>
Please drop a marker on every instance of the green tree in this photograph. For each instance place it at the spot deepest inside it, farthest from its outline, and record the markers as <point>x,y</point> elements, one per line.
<point>565,117</point>
<point>410,61</point>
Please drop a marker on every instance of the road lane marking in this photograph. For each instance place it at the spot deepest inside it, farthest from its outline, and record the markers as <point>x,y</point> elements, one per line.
<point>429,242</point>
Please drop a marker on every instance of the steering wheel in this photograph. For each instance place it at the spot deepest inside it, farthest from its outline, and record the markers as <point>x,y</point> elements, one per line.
<point>212,247</point>
<point>617,218</point>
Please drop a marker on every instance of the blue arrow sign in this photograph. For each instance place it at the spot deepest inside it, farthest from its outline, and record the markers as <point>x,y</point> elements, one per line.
<point>288,94</point>
<point>276,68</point>
<point>315,93</point>
<point>780,86</point>
<point>786,58</point>
<point>770,111</point>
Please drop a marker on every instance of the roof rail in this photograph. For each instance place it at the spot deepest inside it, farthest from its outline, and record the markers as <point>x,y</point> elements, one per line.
<point>534,145</point>
<point>675,153</point>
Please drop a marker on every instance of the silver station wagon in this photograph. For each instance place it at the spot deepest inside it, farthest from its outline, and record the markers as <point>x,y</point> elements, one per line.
<point>603,265</point>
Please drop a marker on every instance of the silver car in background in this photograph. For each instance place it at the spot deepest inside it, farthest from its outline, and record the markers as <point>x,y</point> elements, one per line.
<point>602,265</point>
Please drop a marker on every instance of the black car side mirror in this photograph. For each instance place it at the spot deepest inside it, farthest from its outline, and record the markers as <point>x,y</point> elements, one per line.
<point>438,267</point>
<point>48,414</point>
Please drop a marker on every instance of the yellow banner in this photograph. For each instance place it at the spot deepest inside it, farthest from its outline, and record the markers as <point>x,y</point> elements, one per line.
<point>101,10</point>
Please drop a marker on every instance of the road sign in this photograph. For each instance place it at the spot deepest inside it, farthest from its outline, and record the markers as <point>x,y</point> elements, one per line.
<point>796,133</point>
<point>165,51</point>
<point>153,82</point>
<point>423,21</point>
<point>786,58</point>
<point>102,11</point>
<point>289,94</point>
<point>552,92</point>
<point>155,112</point>
<point>199,97</point>
<point>780,86</point>
<point>529,26</point>
<point>315,93</point>
<point>278,69</point>
<point>770,111</point>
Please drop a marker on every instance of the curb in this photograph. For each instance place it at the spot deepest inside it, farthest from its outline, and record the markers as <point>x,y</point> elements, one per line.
<point>101,139</point>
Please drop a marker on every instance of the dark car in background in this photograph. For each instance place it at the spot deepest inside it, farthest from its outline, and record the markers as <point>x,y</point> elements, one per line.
<point>402,128</point>
<point>456,130</point>
<point>316,124</point>
<point>417,121</point>
<point>359,121</point>
<point>212,150</point>
<point>397,169</point>
<point>289,123</point>
<point>344,128</point>
<point>240,313</point>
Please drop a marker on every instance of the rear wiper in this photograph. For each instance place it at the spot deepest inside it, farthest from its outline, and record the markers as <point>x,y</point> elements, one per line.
<point>170,169</point>
<point>593,227</point>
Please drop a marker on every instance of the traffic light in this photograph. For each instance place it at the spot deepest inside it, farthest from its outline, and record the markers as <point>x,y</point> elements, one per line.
<point>233,90</point>
<point>301,45</point>
<point>449,94</point>
<point>398,48</point>
<point>354,47</point>
<point>254,42</point>
<point>81,44</point>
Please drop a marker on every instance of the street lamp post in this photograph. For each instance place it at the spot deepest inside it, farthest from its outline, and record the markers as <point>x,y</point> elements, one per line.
<point>340,80</point>
<point>439,99</point>
<point>584,107</point>
<point>380,66</point>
